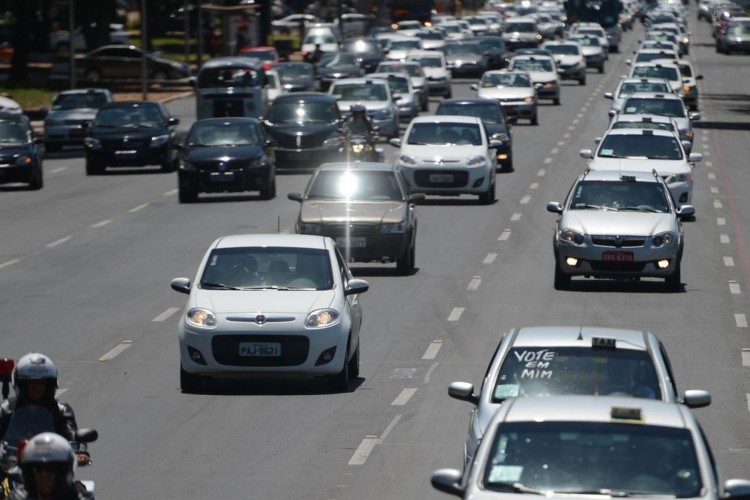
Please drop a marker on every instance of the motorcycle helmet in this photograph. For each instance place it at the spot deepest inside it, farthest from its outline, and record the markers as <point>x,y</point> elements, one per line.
<point>48,450</point>
<point>358,111</point>
<point>35,366</point>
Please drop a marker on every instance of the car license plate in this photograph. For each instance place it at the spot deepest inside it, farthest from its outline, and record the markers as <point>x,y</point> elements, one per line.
<point>260,349</point>
<point>126,152</point>
<point>441,178</point>
<point>222,176</point>
<point>610,256</point>
<point>351,242</point>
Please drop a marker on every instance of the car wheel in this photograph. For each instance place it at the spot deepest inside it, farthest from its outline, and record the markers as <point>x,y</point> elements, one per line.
<point>556,101</point>
<point>268,192</point>
<point>449,94</point>
<point>94,167</point>
<point>426,104</point>
<point>93,75</point>
<point>535,119</point>
<point>37,182</point>
<point>340,381</point>
<point>354,365</point>
<point>507,165</point>
<point>488,197</point>
<point>405,263</point>
<point>562,280</point>
<point>52,147</point>
<point>673,283</point>
<point>601,69</point>
<point>582,81</point>
<point>189,383</point>
<point>186,192</point>
<point>169,166</point>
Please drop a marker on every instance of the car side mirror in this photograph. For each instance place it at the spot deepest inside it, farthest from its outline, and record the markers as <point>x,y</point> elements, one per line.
<point>696,398</point>
<point>295,197</point>
<point>699,77</point>
<point>414,197</point>
<point>554,207</point>
<point>694,116</point>
<point>495,144</point>
<point>448,481</point>
<point>597,140</point>
<point>474,86</point>
<point>271,143</point>
<point>181,285</point>
<point>513,120</point>
<point>612,113</point>
<point>586,153</point>
<point>685,211</point>
<point>695,157</point>
<point>733,488</point>
<point>173,121</point>
<point>628,61</point>
<point>463,391</point>
<point>609,95</point>
<point>356,286</point>
<point>395,142</point>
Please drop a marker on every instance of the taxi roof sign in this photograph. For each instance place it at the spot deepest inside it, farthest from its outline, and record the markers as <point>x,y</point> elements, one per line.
<point>622,413</point>
<point>604,342</point>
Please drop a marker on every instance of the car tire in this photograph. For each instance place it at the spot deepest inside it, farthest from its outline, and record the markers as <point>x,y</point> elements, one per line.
<point>93,75</point>
<point>582,81</point>
<point>488,197</point>
<point>556,101</point>
<point>268,192</point>
<point>340,381</point>
<point>426,105</point>
<point>507,165</point>
<point>189,383</point>
<point>186,191</point>
<point>37,182</point>
<point>601,69</point>
<point>354,365</point>
<point>405,263</point>
<point>52,147</point>
<point>673,283</point>
<point>535,119</point>
<point>94,167</point>
<point>562,280</point>
<point>169,166</point>
<point>449,94</point>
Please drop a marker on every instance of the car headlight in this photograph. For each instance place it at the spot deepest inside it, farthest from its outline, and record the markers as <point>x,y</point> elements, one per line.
<point>332,141</point>
<point>686,177</point>
<point>322,318</point>
<point>358,148</point>
<point>407,160</point>
<point>397,228</point>
<point>307,228</point>
<point>23,161</point>
<point>199,316</point>
<point>581,64</point>
<point>501,136</point>
<point>187,165</point>
<point>685,40</point>
<point>528,100</point>
<point>475,161</point>
<point>571,236</point>
<point>664,239</point>
<point>92,143</point>
<point>159,140</point>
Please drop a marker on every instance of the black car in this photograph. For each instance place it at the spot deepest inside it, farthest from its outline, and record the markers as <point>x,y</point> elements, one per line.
<point>296,76</point>
<point>497,53</point>
<point>496,122</point>
<point>226,155</point>
<point>368,51</point>
<point>21,153</point>
<point>123,62</point>
<point>131,134</point>
<point>336,65</point>
<point>307,128</point>
<point>465,57</point>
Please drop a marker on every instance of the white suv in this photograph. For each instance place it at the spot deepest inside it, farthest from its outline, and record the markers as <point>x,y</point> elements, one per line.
<point>436,70</point>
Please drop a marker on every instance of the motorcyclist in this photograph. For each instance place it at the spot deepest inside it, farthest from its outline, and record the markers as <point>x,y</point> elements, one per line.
<point>316,54</point>
<point>34,383</point>
<point>359,123</point>
<point>48,468</point>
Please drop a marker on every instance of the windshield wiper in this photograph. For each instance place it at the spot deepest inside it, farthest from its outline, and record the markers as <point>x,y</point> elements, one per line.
<point>218,286</point>
<point>266,287</point>
<point>637,209</point>
<point>522,488</point>
<point>597,207</point>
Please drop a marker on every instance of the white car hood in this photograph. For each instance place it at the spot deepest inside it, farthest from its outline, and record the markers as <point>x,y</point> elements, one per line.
<point>252,302</point>
<point>591,51</point>
<point>345,106</point>
<point>542,76</point>
<point>662,167</point>
<point>622,223</point>
<point>567,60</point>
<point>436,72</point>
<point>505,92</point>
<point>431,153</point>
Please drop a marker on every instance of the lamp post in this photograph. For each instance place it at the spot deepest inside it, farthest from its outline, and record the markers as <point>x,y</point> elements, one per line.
<point>71,46</point>
<point>144,39</point>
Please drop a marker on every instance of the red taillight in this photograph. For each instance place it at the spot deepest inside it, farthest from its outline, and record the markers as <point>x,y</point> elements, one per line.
<point>6,367</point>
<point>21,446</point>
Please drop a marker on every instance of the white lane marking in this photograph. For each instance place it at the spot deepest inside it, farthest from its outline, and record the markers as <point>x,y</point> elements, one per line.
<point>534,185</point>
<point>428,374</point>
<point>707,153</point>
<point>709,164</point>
<point>541,173</point>
<point>404,397</point>
<point>561,143</point>
<point>734,288</point>
<point>711,176</point>
<point>9,263</point>
<point>547,161</point>
<point>171,192</point>
<point>60,392</point>
<point>584,108</point>
<point>566,135</point>
<point>58,169</point>
<point>741,320</point>
<point>515,217</point>
<point>572,127</point>
<point>59,242</point>
<point>747,396</point>
<point>554,151</point>
<point>718,204</point>
<point>714,190</point>
<point>490,258</point>
<point>526,199</point>
<point>575,121</point>
<point>116,351</point>
<point>474,283</point>
<point>166,314</point>
<point>579,115</point>
<point>456,313</point>
<point>728,261</point>
<point>138,208</point>
<point>389,429</point>
<point>433,349</point>
<point>745,357</point>
<point>100,224</point>
<point>504,236</point>
<point>363,450</point>
<point>721,221</point>
<point>724,238</point>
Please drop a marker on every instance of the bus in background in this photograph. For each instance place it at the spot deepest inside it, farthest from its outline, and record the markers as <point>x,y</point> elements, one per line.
<point>231,86</point>
<point>412,10</point>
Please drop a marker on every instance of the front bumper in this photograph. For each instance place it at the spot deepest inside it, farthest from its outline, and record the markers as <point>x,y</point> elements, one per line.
<point>594,61</point>
<point>600,261</point>
<point>448,180</point>
<point>551,91</point>
<point>520,109</point>
<point>140,157</point>
<point>365,243</point>
<point>572,72</point>
<point>236,180</point>
<point>10,174</point>
<point>436,86</point>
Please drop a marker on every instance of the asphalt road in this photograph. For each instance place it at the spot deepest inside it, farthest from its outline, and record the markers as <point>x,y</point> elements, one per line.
<point>85,266</point>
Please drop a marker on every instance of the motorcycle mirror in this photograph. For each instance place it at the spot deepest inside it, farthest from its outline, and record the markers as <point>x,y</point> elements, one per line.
<point>87,435</point>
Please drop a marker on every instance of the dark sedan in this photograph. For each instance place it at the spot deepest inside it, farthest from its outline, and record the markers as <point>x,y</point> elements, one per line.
<point>336,65</point>
<point>497,124</point>
<point>307,128</point>
<point>226,155</point>
<point>296,76</point>
<point>465,58</point>
<point>21,153</point>
<point>131,134</point>
<point>122,62</point>
<point>368,51</point>
<point>497,53</point>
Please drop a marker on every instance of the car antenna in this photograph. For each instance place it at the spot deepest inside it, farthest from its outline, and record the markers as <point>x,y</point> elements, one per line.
<point>580,328</point>
<point>278,224</point>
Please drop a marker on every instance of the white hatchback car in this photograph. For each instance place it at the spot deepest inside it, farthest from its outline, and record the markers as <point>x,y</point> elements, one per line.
<point>449,155</point>
<point>268,304</point>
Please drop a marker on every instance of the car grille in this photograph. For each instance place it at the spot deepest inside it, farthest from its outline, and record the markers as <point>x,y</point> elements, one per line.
<point>618,267</point>
<point>131,143</point>
<point>300,141</point>
<point>460,178</point>
<point>351,230</point>
<point>618,241</point>
<point>74,122</point>
<point>226,349</point>
<point>221,166</point>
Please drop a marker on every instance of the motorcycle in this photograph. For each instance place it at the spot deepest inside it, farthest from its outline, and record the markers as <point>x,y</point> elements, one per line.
<point>360,148</point>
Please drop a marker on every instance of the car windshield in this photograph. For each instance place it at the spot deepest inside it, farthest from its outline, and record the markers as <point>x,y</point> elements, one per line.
<point>260,268</point>
<point>134,116</point>
<point>644,125</point>
<point>405,44</point>
<point>91,100</point>
<point>686,70</point>
<point>603,458</point>
<point>655,106</point>
<point>628,88</point>
<point>505,80</point>
<point>431,35</point>
<point>567,50</point>
<point>12,133</point>
<point>739,30</point>
<point>591,31</point>
<point>293,71</point>
<point>319,38</point>
<point>487,113</point>
<point>533,64</point>
<point>653,147</point>
<point>361,47</point>
<point>652,56</point>
<point>263,55</point>
<point>456,49</point>
<point>445,134</point>
<point>398,84</point>
<point>588,41</point>
<point>359,92</point>
<point>547,371</point>
<point>210,134</point>
<point>228,77</point>
<point>519,28</point>
<point>429,61</point>
<point>355,186</point>
<point>666,72</point>
<point>337,60</point>
<point>608,195</point>
<point>301,112</point>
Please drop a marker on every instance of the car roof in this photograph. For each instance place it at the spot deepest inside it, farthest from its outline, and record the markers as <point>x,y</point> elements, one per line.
<point>231,119</point>
<point>447,119</point>
<point>131,104</point>
<point>640,131</point>
<point>270,240</point>
<point>654,95</point>
<point>578,336</point>
<point>364,80</point>
<point>593,409</point>
<point>519,19</point>
<point>471,100</point>
<point>85,91</point>
<point>232,62</point>
<point>620,117</point>
<point>359,165</point>
<point>424,52</point>
<point>305,96</point>
<point>617,175</point>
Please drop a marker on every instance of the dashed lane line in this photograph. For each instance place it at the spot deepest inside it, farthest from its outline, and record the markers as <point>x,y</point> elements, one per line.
<point>58,169</point>
<point>746,357</point>
<point>474,283</point>
<point>711,176</point>
<point>138,208</point>
<point>515,217</point>
<point>428,373</point>
<point>709,164</point>
<point>404,396</point>
<point>100,224</point>
<point>718,204</point>
<point>547,160</point>
<point>734,288</point>
<point>542,172</point>
<point>490,258</point>
<point>724,238</point>
<point>504,236</point>
<point>728,262</point>
<point>526,199</point>
<point>534,185</point>
<point>364,449</point>
<point>741,320</point>
<point>9,263</point>
<point>554,151</point>
<point>171,192</point>
<point>119,349</point>
<point>59,242</point>
<point>721,221</point>
<point>714,190</point>
<point>433,349</point>
<point>165,315</point>
<point>455,314</point>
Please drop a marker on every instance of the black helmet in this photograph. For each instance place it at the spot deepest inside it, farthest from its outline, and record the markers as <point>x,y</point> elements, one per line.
<point>358,110</point>
<point>48,450</point>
